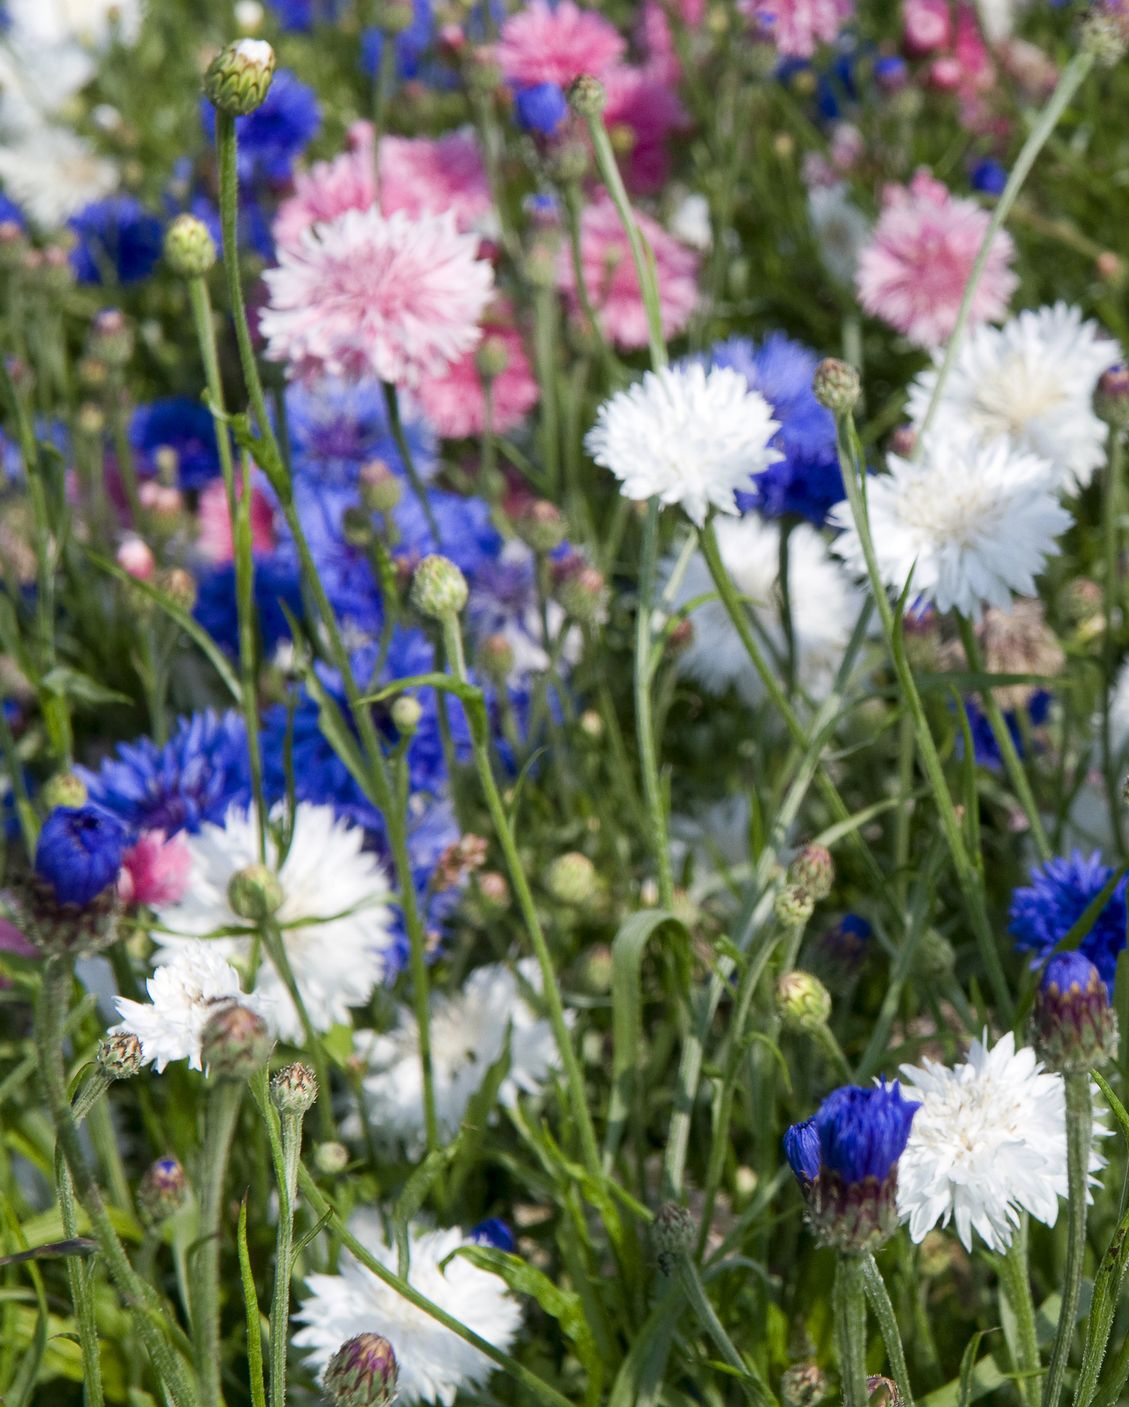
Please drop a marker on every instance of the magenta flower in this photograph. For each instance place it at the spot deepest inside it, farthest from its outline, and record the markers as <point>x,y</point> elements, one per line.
<point>544,44</point>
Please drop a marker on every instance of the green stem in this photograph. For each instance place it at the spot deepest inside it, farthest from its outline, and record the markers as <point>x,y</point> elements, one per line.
<point>1071,79</point>
<point>644,714</point>
<point>396,425</point>
<point>1015,1284</point>
<point>283,1257</point>
<point>1079,1136</point>
<point>551,995</point>
<point>223,1113</point>
<point>78,1274</point>
<point>700,1301</point>
<point>879,1298</point>
<point>848,1306</point>
<point>1111,590</point>
<point>1013,763</point>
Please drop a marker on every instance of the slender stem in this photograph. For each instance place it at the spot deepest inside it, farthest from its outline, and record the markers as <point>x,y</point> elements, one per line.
<point>700,1301</point>
<point>223,1113</point>
<point>1079,1135</point>
<point>78,1274</point>
<point>550,988</point>
<point>879,1298</point>
<point>1013,763</point>
<point>396,425</point>
<point>644,713</point>
<point>283,1256</point>
<point>274,940</point>
<point>1111,590</point>
<point>848,1306</point>
<point>1071,79</point>
<point>1015,1284</point>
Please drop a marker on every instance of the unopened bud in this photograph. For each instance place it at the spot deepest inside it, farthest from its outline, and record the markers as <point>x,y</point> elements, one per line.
<point>439,588</point>
<point>571,879</point>
<point>235,1043</point>
<point>672,1236</point>
<point>814,870</point>
<point>179,586</point>
<point>63,789</point>
<point>331,1157</point>
<point>111,337</point>
<point>580,588</point>
<point>793,906</point>
<point>587,96</point>
<point>135,556</point>
<point>804,1385</point>
<point>380,489</point>
<point>836,385</point>
<point>394,16</point>
<point>406,714</point>
<point>492,358</point>
<point>162,1190</point>
<point>882,1392</point>
<point>239,77</point>
<point>1111,397</point>
<point>356,526</point>
<point>294,1089</point>
<point>494,891</point>
<point>254,893</point>
<point>934,957</point>
<point>119,1055</point>
<point>362,1373</point>
<point>803,1003</point>
<point>1075,1026</point>
<point>496,658</point>
<point>190,250</point>
<point>541,525</point>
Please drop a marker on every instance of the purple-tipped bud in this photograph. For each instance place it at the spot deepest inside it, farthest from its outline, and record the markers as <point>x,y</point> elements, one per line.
<point>1111,397</point>
<point>362,1373</point>
<point>814,870</point>
<point>235,1043</point>
<point>119,1055</point>
<point>162,1190</point>
<point>294,1088</point>
<point>1075,1027</point>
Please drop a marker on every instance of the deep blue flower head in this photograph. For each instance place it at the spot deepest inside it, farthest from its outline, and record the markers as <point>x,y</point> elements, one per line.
<point>862,1132</point>
<point>494,1232</point>
<point>891,72</point>
<point>541,108</point>
<point>1043,913</point>
<point>79,852</point>
<point>467,534</point>
<point>118,241</point>
<point>302,15</point>
<point>1064,970</point>
<point>337,426</point>
<point>193,778</point>
<point>988,176</point>
<point>412,44</point>
<point>801,1148</point>
<point>275,134</point>
<point>807,481</point>
<point>186,427</point>
<point>10,212</point>
<point>985,748</point>
<point>276,584</point>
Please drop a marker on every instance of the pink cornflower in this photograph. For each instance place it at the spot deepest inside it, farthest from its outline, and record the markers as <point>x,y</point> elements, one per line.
<point>455,402</point>
<point>365,295</point>
<point>155,870</point>
<point>656,40</point>
<point>609,275</point>
<point>927,26</point>
<point>797,27</point>
<point>214,539</point>
<point>544,44</point>
<point>135,556</point>
<point>418,175</point>
<point>913,272</point>
<point>647,110</point>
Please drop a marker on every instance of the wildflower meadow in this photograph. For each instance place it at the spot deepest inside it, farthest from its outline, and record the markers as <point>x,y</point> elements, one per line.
<point>564,703</point>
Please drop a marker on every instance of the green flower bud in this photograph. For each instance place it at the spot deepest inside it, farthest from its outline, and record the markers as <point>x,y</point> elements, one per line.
<point>494,891</point>
<point>541,525</point>
<point>794,906</point>
<point>580,588</point>
<point>804,1385</point>
<point>587,96</point>
<point>356,525</point>
<point>934,958</point>
<point>119,1055</point>
<point>162,1190</point>
<point>496,658</point>
<point>572,879</point>
<point>294,1089</point>
<point>380,489</point>
<point>235,1043</point>
<point>1111,397</point>
<point>255,893</point>
<point>439,588</point>
<point>492,358</point>
<point>362,1373</point>
<point>673,1232</point>
<point>394,16</point>
<point>814,870</point>
<point>179,586</point>
<point>331,1158</point>
<point>239,77</point>
<point>1105,33</point>
<point>190,250</point>
<point>63,789</point>
<point>111,338</point>
<point>882,1392</point>
<point>803,1003</point>
<point>406,714</point>
<point>836,385</point>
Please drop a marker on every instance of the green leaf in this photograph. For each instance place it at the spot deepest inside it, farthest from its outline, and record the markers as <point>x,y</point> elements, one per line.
<point>66,683</point>
<point>968,1367</point>
<point>252,1312</point>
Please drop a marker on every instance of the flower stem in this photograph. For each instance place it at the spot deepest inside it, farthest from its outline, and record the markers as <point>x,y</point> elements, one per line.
<point>1071,79</point>
<point>700,1301</point>
<point>452,638</point>
<point>223,1112</point>
<point>1111,589</point>
<point>396,425</point>
<point>879,1298</point>
<point>848,1304</point>
<point>1015,1283</point>
<point>287,1175</point>
<point>1079,1135</point>
<point>644,712</point>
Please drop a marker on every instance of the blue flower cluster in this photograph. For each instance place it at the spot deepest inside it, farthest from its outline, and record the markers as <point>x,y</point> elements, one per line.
<point>183,426</point>
<point>117,241</point>
<point>985,748</point>
<point>856,1134</point>
<point>1044,912</point>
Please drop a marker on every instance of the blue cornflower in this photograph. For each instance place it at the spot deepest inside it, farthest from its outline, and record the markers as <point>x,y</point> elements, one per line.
<point>276,583</point>
<point>1043,913</point>
<point>79,853</point>
<point>10,212</point>
<point>891,72</point>
<point>802,1149</point>
<point>494,1232</point>
<point>276,133</point>
<point>411,43</point>
<point>118,241</point>
<point>300,16</point>
<point>337,426</point>
<point>985,748</point>
<point>467,534</point>
<point>807,481</point>
<point>186,427</point>
<point>193,778</point>
<point>541,108</point>
<point>988,176</point>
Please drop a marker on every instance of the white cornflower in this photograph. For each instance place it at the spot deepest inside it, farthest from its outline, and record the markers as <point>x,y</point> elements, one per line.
<point>52,173</point>
<point>334,916</point>
<point>988,1143</point>
<point>824,608</point>
<point>974,522</point>
<point>1032,381</point>
<point>435,1364</point>
<point>468,1034</point>
<point>184,994</point>
<point>687,435</point>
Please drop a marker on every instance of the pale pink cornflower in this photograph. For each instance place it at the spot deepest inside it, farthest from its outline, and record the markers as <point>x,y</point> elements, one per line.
<point>214,538</point>
<point>913,272</point>
<point>455,403</point>
<point>647,110</point>
<point>365,295</point>
<point>418,175</point>
<point>927,27</point>
<point>656,40</point>
<point>797,27</point>
<point>555,44</point>
<point>135,556</point>
<point>611,281</point>
<point>155,870</point>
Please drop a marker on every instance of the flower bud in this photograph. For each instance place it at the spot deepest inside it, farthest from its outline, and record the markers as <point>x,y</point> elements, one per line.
<point>162,1190</point>
<point>494,891</point>
<point>580,588</point>
<point>934,959</point>
<point>803,1003</point>
<point>331,1157</point>
<point>294,1089</point>
<point>672,1236</point>
<point>814,870</point>
<point>190,250</point>
<point>179,586</point>
<point>1105,32</point>
<point>882,1392</point>
<point>1075,1026</point>
<point>135,557</point>
<point>804,1385</point>
<point>439,588</point>
<point>1111,397</point>
<point>492,358</point>
<point>496,658</point>
<point>793,906</point>
<point>119,1055</point>
<point>541,526</point>
<point>356,526</point>
<point>571,879</point>
<point>836,385</point>
<point>406,714</point>
<point>587,96</point>
<point>235,1043</point>
<point>239,77</point>
<point>111,338</point>
<point>362,1373</point>
<point>255,893</point>
<point>380,489</point>
<point>63,789</point>
<point>394,16</point>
